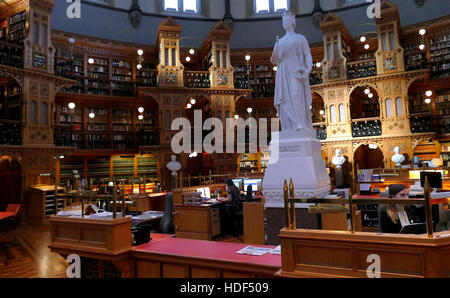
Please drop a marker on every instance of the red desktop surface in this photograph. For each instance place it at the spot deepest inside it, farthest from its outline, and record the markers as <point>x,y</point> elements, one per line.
<point>213,250</point>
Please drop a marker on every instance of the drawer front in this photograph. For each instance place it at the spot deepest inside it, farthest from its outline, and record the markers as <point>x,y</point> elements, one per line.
<point>215,215</point>
<point>215,228</point>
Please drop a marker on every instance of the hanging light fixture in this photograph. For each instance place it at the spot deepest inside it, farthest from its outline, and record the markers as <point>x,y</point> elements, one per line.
<point>191,51</point>
<point>429,93</point>
<point>193,101</point>
<point>188,59</point>
<point>141,110</point>
<point>321,112</point>
<point>249,110</point>
<point>236,116</point>
<point>422,31</point>
<point>367,91</point>
<point>71,105</point>
<point>427,100</point>
<point>91,60</point>
<point>318,64</point>
<point>189,106</point>
<point>366,46</point>
<point>362,39</point>
<point>370,95</point>
<point>91,115</point>
<point>422,47</point>
<point>247,57</point>
<point>141,117</point>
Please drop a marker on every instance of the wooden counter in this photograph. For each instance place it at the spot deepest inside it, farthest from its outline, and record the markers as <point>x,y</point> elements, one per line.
<point>315,253</point>
<point>146,202</point>
<point>96,236</point>
<point>187,258</point>
<point>198,221</point>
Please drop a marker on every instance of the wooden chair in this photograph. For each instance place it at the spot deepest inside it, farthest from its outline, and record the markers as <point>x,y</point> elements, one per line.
<point>12,221</point>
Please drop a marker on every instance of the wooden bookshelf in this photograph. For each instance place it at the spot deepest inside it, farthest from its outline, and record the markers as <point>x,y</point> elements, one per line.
<point>440,56</point>
<point>147,76</point>
<point>17,27</point>
<point>122,78</point>
<point>445,152</point>
<point>106,168</point>
<point>249,163</point>
<point>415,58</point>
<point>70,65</point>
<point>98,77</point>
<point>427,150</point>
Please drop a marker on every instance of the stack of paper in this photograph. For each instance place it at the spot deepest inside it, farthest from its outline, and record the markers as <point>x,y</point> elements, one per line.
<point>253,251</point>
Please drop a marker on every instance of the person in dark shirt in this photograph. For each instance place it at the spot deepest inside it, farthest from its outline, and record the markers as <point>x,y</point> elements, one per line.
<point>392,217</point>
<point>233,208</point>
<point>234,194</point>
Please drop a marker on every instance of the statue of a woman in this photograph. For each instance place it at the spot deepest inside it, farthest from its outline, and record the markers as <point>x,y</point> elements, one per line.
<point>292,91</point>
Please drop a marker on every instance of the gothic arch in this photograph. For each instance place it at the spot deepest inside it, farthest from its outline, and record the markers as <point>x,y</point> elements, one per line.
<point>362,85</point>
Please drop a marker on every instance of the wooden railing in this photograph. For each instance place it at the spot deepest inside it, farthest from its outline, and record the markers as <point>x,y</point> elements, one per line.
<point>10,132</point>
<point>348,204</point>
<point>196,79</point>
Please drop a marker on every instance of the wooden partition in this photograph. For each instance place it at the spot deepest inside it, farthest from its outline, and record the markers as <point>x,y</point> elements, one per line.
<point>314,253</point>
<point>254,230</point>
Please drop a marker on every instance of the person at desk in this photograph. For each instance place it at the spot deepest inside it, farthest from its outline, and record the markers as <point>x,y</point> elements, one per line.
<point>392,217</point>
<point>233,208</point>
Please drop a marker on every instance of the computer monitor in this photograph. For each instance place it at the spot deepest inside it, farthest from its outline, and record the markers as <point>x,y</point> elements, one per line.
<point>255,183</point>
<point>238,183</point>
<point>205,192</point>
<point>434,179</point>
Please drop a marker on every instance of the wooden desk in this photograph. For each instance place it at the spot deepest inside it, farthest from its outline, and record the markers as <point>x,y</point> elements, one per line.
<point>315,253</point>
<point>41,202</point>
<point>145,202</point>
<point>198,221</point>
<point>187,258</point>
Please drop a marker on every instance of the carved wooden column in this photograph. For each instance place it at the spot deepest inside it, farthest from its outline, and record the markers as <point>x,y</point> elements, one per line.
<point>170,69</point>
<point>337,44</point>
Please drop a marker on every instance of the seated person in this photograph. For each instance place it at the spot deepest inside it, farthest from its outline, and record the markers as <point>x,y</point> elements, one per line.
<point>233,209</point>
<point>392,217</point>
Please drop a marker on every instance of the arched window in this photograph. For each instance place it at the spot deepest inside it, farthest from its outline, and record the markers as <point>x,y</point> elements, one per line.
<point>219,114</point>
<point>270,6</point>
<point>333,114</point>
<point>187,6</point>
<point>168,122</point>
<point>33,112</point>
<point>341,113</point>
<point>398,106</point>
<point>44,113</point>
<point>388,104</point>
<point>227,114</point>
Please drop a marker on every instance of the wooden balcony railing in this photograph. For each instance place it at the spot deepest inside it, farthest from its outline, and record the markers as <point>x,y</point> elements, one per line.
<point>367,127</point>
<point>196,79</point>
<point>361,69</point>
<point>10,132</point>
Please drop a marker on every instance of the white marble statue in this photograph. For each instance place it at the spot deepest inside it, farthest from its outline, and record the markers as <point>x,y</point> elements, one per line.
<point>338,160</point>
<point>174,165</point>
<point>397,157</point>
<point>293,97</point>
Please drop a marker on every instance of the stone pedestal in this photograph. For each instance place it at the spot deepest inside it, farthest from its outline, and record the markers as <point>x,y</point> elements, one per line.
<point>295,155</point>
